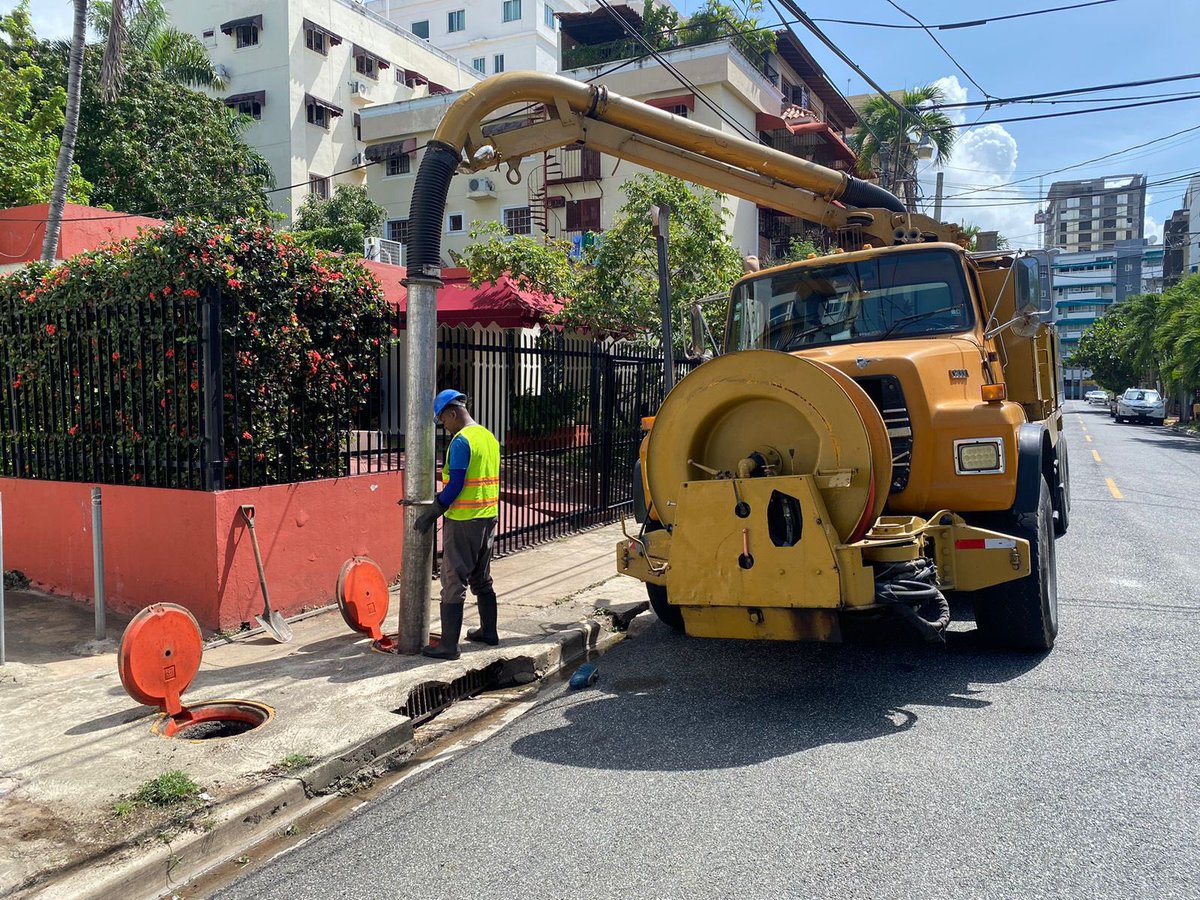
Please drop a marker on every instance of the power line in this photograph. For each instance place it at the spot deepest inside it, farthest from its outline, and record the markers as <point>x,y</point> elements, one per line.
<point>1069,112</point>
<point>1086,162</point>
<point>1003,101</point>
<point>972,23</point>
<point>933,37</point>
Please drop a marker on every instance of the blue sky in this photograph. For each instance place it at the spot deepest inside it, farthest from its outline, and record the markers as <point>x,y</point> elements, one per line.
<point>1125,40</point>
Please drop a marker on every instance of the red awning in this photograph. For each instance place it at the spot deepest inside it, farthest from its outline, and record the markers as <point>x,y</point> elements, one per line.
<point>504,303</point>
<point>688,100</point>
<point>768,122</point>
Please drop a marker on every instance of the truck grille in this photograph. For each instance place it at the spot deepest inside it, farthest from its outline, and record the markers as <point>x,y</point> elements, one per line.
<point>888,397</point>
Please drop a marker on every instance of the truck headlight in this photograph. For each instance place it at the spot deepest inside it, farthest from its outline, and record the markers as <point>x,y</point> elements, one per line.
<point>979,456</point>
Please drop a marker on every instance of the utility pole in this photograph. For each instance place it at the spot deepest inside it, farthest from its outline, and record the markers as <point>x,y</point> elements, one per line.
<point>937,196</point>
<point>661,217</point>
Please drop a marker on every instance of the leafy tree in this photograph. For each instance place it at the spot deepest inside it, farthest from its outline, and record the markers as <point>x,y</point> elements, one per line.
<point>716,20</point>
<point>885,132</point>
<point>972,232</point>
<point>534,264</point>
<point>1177,335</point>
<point>659,25</point>
<point>180,56</point>
<point>198,166</point>
<point>618,284</point>
<point>30,121</point>
<point>1103,348</point>
<point>340,222</point>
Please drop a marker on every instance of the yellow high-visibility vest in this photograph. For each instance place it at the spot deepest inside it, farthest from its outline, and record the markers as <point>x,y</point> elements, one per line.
<point>480,496</point>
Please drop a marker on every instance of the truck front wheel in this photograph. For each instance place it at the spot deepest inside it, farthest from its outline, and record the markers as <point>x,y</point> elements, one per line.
<point>1023,614</point>
<point>668,614</point>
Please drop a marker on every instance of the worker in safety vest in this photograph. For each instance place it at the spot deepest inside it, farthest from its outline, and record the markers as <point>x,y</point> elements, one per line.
<point>470,502</point>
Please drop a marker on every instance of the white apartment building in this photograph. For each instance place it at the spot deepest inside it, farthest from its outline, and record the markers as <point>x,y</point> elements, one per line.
<point>490,35</point>
<point>304,70</point>
<point>573,193</point>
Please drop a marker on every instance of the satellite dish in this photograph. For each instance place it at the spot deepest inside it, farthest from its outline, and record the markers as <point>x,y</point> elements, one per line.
<point>1027,322</point>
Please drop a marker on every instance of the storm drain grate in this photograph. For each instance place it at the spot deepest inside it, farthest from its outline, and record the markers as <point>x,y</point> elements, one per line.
<point>427,700</point>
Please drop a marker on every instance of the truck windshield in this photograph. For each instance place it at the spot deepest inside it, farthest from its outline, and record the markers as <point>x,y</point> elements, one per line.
<point>892,295</point>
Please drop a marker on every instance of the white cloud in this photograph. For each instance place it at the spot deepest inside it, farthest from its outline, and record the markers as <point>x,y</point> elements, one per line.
<point>1153,231</point>
<point>52,19</point>
<point>983,157</point>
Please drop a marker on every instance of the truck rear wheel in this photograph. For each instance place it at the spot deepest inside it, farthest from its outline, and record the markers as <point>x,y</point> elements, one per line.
<point>1023,614</point>
<point>667,613</point>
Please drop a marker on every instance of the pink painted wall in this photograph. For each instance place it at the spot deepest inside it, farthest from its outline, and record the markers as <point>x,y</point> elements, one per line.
<point>192,547</point>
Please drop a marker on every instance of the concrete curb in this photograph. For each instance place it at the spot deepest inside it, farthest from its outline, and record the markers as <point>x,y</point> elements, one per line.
<point>266,810</point>
<point>1184,430</point>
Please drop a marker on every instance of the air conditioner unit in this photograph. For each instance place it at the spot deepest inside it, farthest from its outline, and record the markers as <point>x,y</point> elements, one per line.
<point>356,159</point>
<point>360,88</point>
<point>480,186</point>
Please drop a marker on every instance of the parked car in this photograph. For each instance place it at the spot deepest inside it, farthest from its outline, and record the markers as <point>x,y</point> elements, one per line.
<point>1142,404</point>
<point>1096,396</point>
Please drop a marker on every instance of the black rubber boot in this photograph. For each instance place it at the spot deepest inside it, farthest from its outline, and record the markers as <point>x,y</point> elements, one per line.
<point>447,647</point>
<point>486,632</point>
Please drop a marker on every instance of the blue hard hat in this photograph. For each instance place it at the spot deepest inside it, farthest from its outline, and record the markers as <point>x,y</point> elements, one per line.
<point>446,398</point>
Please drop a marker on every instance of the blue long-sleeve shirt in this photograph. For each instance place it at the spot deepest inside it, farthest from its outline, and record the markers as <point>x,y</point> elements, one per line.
<point>459,456</point>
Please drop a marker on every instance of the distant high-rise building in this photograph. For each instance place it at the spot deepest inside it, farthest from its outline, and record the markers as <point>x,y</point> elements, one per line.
<point>1095,213</point>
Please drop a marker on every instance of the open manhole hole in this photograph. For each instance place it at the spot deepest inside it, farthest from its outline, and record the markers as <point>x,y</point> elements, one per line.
<point>216,719</point>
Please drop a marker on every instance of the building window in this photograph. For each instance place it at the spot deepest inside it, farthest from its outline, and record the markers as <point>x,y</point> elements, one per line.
<point>512,10</point>
<point>548,14</point>
<point>250,107</point>
<point>455,223</point>
<point>1108,236</point>
<point>421,29</point>
<point>398,165</point>
<point>317,114</point>
<point>397,230</point>
<point>479,64</point>
<point>498,63</point>
<point>680,110</point>
<point>319,185</point>
<point>456,20</point>
<point>583,215</point>
<point>518,220</point>
<point>246,35</point>
<point>209,37</point>
<point>365,65</point>
<point>315,41</point>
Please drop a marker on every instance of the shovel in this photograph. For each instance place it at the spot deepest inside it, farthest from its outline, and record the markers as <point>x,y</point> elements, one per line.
<point>275,624</point>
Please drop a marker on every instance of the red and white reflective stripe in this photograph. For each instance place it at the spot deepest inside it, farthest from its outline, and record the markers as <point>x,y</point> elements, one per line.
<point>985,544</point>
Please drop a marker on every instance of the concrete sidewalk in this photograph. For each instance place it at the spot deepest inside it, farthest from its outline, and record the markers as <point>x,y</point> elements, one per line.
<point>73,744</point>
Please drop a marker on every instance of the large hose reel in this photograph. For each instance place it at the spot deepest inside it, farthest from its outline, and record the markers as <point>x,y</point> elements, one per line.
<point>762,413</point>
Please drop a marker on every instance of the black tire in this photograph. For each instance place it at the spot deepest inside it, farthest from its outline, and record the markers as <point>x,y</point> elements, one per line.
<point>1120,420</point>
<point>1023,615</point>
<point>1159,422</point>
<point>1062,498</point>
<point>669,615</point>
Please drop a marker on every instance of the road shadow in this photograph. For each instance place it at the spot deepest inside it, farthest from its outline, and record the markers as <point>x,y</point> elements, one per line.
<point>1191,445</point>
<point>673,703</point>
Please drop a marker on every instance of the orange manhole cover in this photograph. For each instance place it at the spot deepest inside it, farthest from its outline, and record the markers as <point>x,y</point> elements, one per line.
<point>160,655</point>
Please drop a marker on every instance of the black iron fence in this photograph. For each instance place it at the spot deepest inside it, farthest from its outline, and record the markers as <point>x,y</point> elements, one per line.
<point>150,393</point>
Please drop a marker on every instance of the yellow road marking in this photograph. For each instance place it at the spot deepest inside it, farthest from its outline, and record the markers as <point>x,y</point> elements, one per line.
<point>1095,456</point>
<point>1112,489</point>
<point>1088,438</point>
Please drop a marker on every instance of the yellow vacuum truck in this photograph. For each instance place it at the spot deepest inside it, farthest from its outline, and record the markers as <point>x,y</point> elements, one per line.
<point>882,428</point>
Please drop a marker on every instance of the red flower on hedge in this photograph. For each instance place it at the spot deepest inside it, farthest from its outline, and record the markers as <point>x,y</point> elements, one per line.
<point>116,356</point>
<point>171,353</point>
<point>73,430</point>
<point>234,283</point>
<point>51,330</point>
<point>191,292</point>
<point>247,436</point>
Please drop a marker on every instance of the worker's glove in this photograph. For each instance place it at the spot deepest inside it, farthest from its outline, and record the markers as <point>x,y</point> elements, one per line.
<point>426,519</point>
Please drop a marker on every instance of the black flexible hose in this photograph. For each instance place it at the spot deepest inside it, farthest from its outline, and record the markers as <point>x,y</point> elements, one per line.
<point>864,194</point>
<point>429,205</point>
<point>908,588</point>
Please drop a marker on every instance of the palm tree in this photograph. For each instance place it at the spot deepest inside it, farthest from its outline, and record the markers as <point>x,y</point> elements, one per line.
<point>144,24</point>
<point>66,149</point>
<point>893,138</point>
<point>146,27</point>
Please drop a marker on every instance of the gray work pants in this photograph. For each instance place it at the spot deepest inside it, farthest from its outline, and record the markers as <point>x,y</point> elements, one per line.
<point>466,558</point>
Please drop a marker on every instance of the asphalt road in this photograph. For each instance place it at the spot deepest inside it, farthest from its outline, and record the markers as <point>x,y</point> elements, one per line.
<point>720,769</point>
